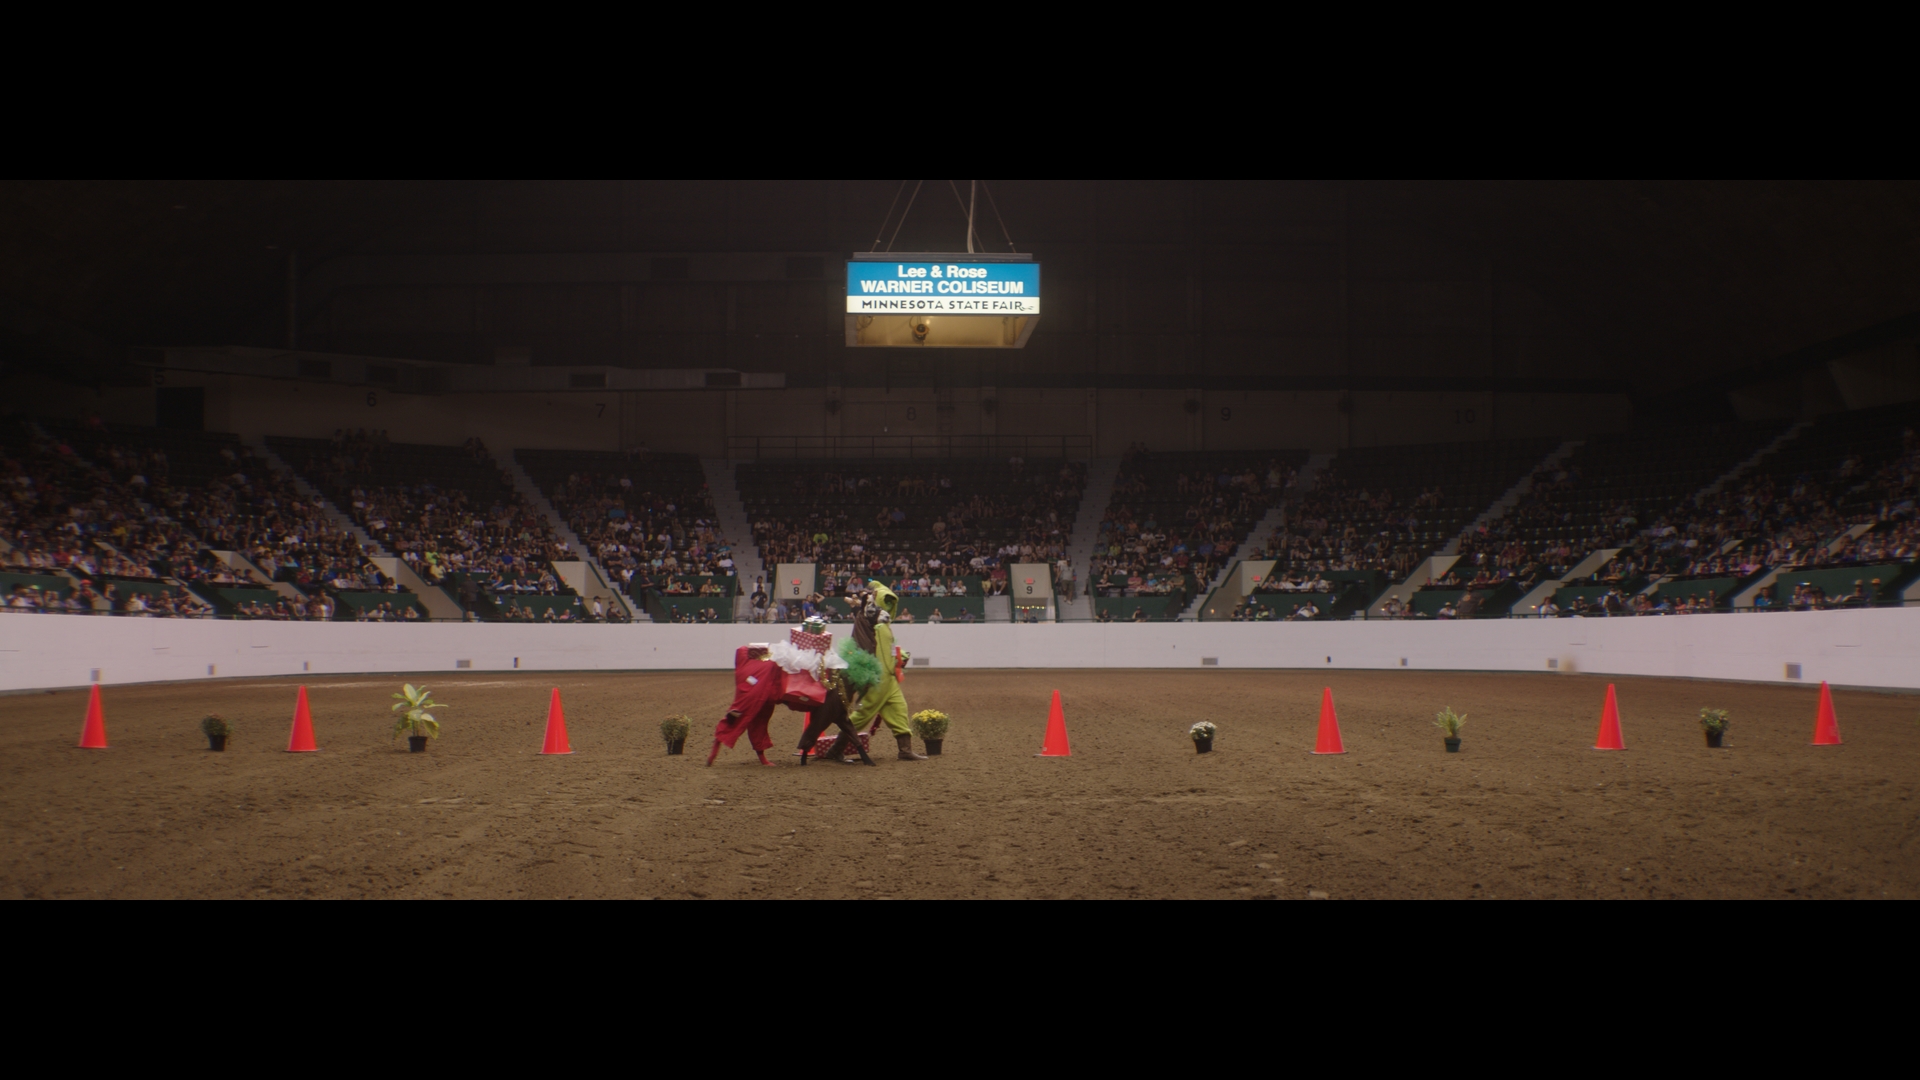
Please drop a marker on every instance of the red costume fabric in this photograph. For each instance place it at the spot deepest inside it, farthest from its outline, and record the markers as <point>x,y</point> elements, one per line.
<point>804,692</point>
<point>757,688</point>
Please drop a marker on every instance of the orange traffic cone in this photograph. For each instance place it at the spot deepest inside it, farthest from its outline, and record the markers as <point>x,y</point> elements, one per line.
<point>94,735</point>
<point>1056,745</point>
<point>1826,726</point>
<point>556,728</point>
<point>301,741</point>
<point>1609,725</point>
<point>1328,741</point>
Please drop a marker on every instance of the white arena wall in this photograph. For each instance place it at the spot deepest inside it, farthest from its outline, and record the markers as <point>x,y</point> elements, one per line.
<point>1876,648</point>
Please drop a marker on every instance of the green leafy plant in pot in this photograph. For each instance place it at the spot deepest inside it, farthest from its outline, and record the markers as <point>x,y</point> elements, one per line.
<point>217,730</point>
<point>675,729</point>
<point>931,725</point>
<point>415,705</point>
<point>1202,735</point>
<point>1714,723</point>
<point>1449,723</point>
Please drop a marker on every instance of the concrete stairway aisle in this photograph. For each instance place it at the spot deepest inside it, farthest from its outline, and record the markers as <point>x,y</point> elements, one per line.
<point>1101,475</point>
<point>1594,560</point>
<point>590,579</point>
<point>1262,531</point>
<point>1429,569</point>
<point>1514,494</point>
<point>441,607</point>
<point>247,568</point>
<point>312,494</point>
<point>1309,473</point>
<point>732,515</point>
<point>1741,469</point>
<point>1250,548</point>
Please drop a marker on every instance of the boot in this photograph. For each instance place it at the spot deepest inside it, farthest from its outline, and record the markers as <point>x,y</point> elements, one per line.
<point>906,749</point>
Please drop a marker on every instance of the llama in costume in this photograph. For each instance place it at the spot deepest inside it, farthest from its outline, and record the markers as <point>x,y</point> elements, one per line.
<point>805,674</point>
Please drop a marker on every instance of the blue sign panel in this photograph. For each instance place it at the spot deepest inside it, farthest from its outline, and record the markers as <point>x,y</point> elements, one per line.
<point>956,288</point>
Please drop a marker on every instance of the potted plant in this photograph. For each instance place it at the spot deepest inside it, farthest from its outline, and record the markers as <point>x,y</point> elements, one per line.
<point>1714,723</point>
<point>675,730</point>
<point>1449,723</point>
<point>931,725</point>
<point>416,721</point>
<point>216,729</point>
<point>1202,736</point>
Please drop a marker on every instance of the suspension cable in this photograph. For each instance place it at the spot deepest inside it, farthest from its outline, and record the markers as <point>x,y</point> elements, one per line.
<point>997,217</point>
<point>903,213</point>
<point>889,217</point>
<point>963,210</point>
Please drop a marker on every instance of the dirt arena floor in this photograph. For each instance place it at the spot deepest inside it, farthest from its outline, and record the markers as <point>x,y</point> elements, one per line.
<point>1525,810</point>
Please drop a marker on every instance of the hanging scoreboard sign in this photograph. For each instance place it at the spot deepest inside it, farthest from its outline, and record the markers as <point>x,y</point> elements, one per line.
<point>942,301</point>
<point>949,288</point>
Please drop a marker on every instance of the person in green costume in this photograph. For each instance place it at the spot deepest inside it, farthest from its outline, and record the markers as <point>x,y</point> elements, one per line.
<point>885,700</point>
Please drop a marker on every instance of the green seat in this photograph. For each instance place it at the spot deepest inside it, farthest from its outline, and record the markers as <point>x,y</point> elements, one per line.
<point>347,605</point>
<point>1157,607</point>
<point>1567,594</point>
<point>1835,581</point>
<point>661,607</point>
<point>143,586</point>
<point>1282,604</point>
<point>48,584</point>
<point>1430,601</point>
<point>949,607</point>
<point>243,595</point>
<point>1722,589</point>
<point>730,583</point>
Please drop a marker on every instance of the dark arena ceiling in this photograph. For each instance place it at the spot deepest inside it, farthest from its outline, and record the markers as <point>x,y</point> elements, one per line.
<point>1651,286</point>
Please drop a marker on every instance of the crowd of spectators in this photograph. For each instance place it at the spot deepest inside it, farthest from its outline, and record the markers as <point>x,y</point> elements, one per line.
<point>1387,508</point>
<point>1176,519</point>
<point>648,518</point>
<point>1842,493</point>
<point>65,511</point>
<point>100,508</point>
<point>956,525</point>
<point>443,510</point>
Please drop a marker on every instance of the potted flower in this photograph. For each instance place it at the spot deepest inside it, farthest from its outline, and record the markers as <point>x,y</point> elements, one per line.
<point>416,721</point>
<point>675,730</point>
<point>1449,723</point>
<point>931,725</point>
<point>216,729</point>
<point>1714,723</point>
<point>1202,736</point>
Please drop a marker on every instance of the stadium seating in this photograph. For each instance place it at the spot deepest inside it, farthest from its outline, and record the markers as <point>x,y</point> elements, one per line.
<point>100,518</point>
<point>1176,518</point>
<point>1135,608</point>
<point>1607,491</point>
<point>892,519</point>
<point>1386,508</point>
<point>446,510</point>
<point>648,518</point>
